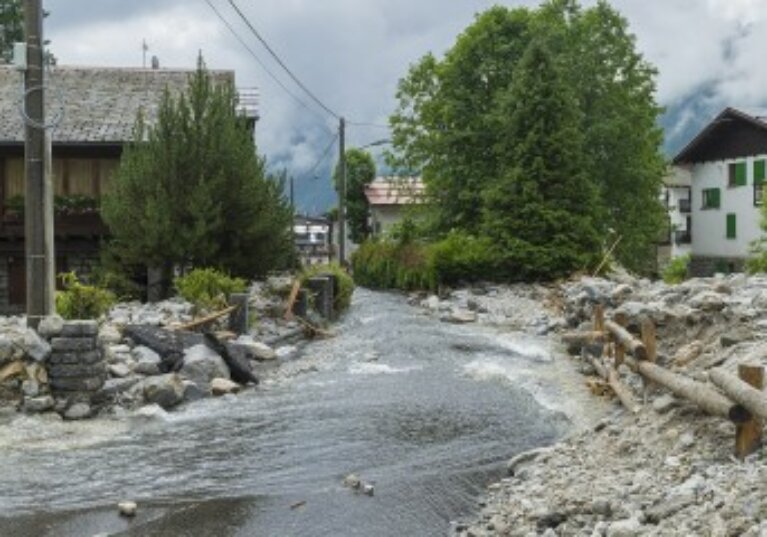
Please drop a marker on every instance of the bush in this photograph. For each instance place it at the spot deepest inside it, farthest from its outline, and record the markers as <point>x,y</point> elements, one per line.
<point>388,264</point>
<point>343,297</point>
<point>208,288</point>
<point>676,270</point>
<point>463,258</point>
<point>79,301</point>
<point>118,282</point>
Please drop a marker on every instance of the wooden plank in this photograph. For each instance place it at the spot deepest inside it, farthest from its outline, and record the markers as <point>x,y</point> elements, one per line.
<point>599,318</point>
<point>649,340</point>
<point>205,320</point>
<point>706,398</point>
<point>292,300</point>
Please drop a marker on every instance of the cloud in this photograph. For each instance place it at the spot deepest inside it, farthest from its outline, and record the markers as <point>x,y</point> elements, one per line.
<point>351,54</point>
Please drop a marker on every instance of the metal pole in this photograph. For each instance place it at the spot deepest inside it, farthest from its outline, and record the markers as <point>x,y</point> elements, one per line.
<point>38,208</point>
<point>342,192</point>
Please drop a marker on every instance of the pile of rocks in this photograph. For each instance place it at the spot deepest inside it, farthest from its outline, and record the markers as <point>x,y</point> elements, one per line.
<point>669,469</point>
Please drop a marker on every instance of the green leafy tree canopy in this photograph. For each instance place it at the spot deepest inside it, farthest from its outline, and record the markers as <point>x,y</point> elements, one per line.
<point>360,172</point>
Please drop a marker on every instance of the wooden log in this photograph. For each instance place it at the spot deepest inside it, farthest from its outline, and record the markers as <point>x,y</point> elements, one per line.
<point>751,398</point>
<point>572,338</point>
<point>748,435</point>
<point>649,340</point>
<point>292,300</point>
<point>205,320</point>
<point>626,340</point>
<point>707,399</point>
<point>609,373</point>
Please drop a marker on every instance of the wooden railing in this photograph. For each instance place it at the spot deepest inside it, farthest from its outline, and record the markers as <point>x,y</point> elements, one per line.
<point>85,224</point>
<point>740,399</point>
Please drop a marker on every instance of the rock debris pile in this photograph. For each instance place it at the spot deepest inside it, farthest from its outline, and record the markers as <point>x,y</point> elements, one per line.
<point>668,470</point>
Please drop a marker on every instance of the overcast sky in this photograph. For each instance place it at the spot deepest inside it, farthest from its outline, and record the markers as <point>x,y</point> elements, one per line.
<point>351,53</point>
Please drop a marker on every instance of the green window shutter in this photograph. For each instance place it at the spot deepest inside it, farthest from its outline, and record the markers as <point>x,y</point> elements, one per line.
<point>759,170</point>
<point>731,226</point>
<point>741,174</point>
<point>716,198</point>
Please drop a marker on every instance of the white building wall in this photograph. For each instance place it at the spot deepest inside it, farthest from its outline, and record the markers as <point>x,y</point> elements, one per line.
<point>678,219</point>
<point>709,226</point>
<point>384,217</point>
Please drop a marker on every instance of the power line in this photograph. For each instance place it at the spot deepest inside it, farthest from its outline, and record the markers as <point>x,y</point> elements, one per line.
<point>323,156</point>
<point>263,66</point>
<point>280,62</point>
<point>363,124</point>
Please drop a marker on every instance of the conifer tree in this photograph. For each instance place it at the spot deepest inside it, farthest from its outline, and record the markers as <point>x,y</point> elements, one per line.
<point>542,208</point>
<point>191,190</point>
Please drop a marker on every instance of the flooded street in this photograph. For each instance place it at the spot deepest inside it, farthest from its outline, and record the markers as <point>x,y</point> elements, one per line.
<point>427,412</point>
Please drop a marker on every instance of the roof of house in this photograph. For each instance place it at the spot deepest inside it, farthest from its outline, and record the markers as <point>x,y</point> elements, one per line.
<point>95,104</point>
<point>395,191</point>
<point>734,133</point>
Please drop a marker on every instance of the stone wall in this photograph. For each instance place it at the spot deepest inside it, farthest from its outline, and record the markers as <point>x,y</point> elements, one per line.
<point>76,369</point>
<point>703,266</point>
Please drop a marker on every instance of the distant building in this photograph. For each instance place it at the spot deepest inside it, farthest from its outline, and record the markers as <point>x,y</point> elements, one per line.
<point>96,109</point>
<point>312,238</point>
<point>389,197</point>
<point>726,163</point>
<point>676,196</point>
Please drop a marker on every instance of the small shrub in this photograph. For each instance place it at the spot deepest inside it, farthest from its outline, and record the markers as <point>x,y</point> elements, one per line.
<point>208,288</point>
<point>80,301</point>
<point>390,264</point>
<point>343,298</point>
<point>463,258</point>
<point>119,283</point>
<point>676,270</point>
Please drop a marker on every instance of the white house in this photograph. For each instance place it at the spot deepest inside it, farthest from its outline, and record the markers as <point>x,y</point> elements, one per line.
<point>389,197</point>
<point>312,238</point>
<point>676,198</point>
<point>726,162</point>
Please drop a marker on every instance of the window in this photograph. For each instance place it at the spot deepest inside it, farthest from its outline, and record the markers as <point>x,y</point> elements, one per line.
<point>758,194</point>
<point>711,198</point>
<point>731,226</point>
<point>737,175</point>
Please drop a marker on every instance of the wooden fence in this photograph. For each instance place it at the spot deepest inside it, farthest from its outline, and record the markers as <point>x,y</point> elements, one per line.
<point>740,400</point>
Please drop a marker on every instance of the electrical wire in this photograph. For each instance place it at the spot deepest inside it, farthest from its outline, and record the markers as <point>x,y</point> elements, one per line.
<point>281,63</point>
<point>323,156</point>
<point>364,124</point>
<point>263,66</point>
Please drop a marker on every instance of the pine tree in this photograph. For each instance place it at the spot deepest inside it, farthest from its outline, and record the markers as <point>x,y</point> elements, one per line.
<point>542,209</point>
<point>360,172</point>
<point>191,190</point>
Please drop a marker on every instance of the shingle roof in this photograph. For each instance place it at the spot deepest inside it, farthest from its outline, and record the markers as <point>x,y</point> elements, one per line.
<point>99,104</point>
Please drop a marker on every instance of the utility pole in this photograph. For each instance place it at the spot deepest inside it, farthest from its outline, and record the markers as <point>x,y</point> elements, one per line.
<point>38,207</point>
<point>342,192</point>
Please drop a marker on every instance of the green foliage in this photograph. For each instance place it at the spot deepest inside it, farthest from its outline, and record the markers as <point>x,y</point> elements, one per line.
<point>208,288</point>
<point>389,264</point>
<point>12,30</point>
<point>464,258</point>
<point>454,122</point>
<point>343,298</point>
<point>676,270</point>
<point>69,204</point>
<point>191,190</point>
<point>541,209</point>
<point>360,172</point>
<point>79,301</point>
<point>118,283</point>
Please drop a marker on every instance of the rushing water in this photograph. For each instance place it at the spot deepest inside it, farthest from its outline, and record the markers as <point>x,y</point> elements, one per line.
<point>426,411</point>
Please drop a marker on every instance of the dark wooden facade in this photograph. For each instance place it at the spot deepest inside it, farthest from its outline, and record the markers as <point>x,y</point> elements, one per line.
<point>732,134</point>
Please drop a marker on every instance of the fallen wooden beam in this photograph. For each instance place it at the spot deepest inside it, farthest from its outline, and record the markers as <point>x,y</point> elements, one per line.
<point>752,399</point>
<point>609,373</point>
<point>205,320</point>
<point>292,300</point>
<point>583,338</point>
<point>629,342</point>
<point>707,399</point>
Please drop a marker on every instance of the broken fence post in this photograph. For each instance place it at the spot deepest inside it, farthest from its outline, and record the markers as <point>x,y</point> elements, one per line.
<point>238,319</point>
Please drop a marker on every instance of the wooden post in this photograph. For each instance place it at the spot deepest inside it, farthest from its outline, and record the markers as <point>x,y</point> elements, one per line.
<point>649,340</point>
<point>748,435</point>
<point>239,321</point>
<point>599,318</point>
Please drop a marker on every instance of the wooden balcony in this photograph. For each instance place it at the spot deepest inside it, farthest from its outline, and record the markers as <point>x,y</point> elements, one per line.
<point>65,225</point>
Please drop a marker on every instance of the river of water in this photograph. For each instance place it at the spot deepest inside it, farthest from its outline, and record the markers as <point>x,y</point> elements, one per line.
<point>428,412</point>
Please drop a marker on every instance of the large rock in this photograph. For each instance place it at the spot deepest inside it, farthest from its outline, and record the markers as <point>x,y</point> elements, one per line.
<point>148,362</point>
<point>78,411</point>
<point>109,335</point>
<point>38,404</point>
<point>221,386</point>
<point>257,350</point>
<point>50,326</point>
<point>7,349</point>
<point>170,345</point>
<point>708,301</point>
<point>36,347</point>
<point>164,390</point>
<point>239,365</point>
<point>202,364</point>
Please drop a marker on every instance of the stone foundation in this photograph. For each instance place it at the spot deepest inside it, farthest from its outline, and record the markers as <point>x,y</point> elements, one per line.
<point>704,266</point>
<point>76,369</point>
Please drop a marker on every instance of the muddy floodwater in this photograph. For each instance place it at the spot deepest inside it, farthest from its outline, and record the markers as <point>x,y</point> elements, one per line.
<point>425,411</point>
